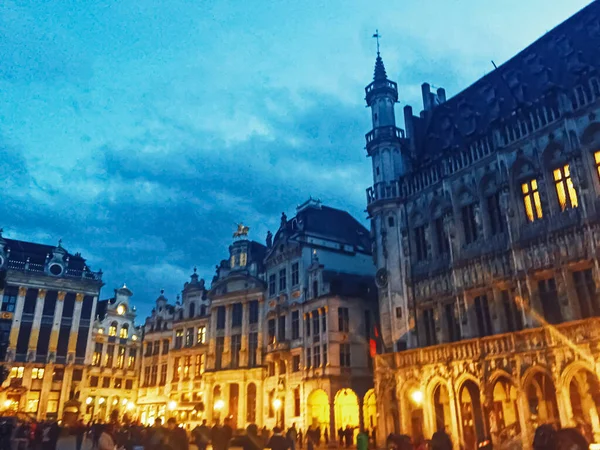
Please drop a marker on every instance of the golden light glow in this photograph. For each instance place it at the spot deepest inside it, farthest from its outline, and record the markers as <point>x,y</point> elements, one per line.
<point>130,406</point>
<point>89,400</point>
<point>243,259</point>
<point>597,160</point>
<point>277,404</point>
<point>172,405</point>
<point>7,403</point>
<point>565,190</point>
<point>121,309</point>
<point>124,401</point>
<point>531,200</point>
<point>100,330</point>
<point>102,400</point>
<point>417,397</point>
<point>219,405</point>
<point>134,337</point>
<point>112,330</point>
<point>115,401</point>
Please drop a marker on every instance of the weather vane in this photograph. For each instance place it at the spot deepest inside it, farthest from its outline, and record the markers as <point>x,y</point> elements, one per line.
<point>377,36</point>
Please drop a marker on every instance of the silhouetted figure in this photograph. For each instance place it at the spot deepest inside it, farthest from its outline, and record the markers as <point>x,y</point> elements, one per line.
<point>441,441</point>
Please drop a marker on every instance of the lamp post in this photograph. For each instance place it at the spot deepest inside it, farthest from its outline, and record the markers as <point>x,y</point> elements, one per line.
<point>277,406</point>
<point>218,407</point>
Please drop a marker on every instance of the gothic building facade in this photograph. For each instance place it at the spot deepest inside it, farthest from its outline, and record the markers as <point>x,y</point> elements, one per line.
<point>485,216</point>
<point>49,299</point>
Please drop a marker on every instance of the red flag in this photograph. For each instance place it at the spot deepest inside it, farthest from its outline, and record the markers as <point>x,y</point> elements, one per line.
<point>372,347</point>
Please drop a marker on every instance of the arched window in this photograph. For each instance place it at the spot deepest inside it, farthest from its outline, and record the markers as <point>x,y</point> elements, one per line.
<point>158,323</point>
<point>281,367</point>
<point>112,330</point>
<point>251,403</point>
<point>124,332</point>
<point>192,309</point>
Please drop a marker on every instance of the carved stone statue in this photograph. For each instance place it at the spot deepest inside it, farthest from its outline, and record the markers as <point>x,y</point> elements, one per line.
<point>283,220</point>
<point>241,231</point>
<point>269,239</point>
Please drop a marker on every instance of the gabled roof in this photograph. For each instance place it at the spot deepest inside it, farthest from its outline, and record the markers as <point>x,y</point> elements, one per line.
<point>332,223</point>
<point>21,250</point>
<point>556,60</point>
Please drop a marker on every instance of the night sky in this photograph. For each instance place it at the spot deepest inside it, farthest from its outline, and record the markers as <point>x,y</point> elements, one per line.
<point>140,132</point>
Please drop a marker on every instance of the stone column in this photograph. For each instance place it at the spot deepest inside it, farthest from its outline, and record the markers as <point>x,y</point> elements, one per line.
<point>75,325</point>
<point>261,343</point>
<point>524,419</point>
<point>37,320</point>
<point>454,405</point>
<point>16,324</point>
<point>56,328</point>
<point>227,345</point>
<point>245,324</point>
<point>325,335</point>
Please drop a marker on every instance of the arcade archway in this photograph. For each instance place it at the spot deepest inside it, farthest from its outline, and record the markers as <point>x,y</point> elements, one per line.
<point>346,409</point>
<point>370,410</point>
<point>318,408</point>
<point>541,399</point>
<point>471,415</point>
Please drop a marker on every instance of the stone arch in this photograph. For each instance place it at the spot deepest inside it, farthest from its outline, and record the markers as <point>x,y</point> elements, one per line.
<point>465,195</point>
<point>554,154</point>
<point>346,409</point>
<point>370,410</point>
<point>412,403</point>
<point>503,413</point>
<point>318,408</point>
<point>489,184</point>
<point>439,206</point>
<point>540,393</point>
<point>581,387</point>
<point>473,429</point>
<point>437,395</point>
<point>523,168</point>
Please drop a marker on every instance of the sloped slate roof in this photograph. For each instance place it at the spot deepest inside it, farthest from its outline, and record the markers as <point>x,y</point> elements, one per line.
<point>21,250</point>
<point>556,60</point>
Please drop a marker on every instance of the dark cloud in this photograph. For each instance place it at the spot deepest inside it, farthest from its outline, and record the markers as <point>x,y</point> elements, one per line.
<point>148,210</point>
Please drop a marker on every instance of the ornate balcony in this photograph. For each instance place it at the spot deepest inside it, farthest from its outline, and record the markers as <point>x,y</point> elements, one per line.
<point>383,134</point>
<point>383,191</point>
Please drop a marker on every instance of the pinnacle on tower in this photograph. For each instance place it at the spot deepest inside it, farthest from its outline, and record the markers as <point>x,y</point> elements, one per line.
<point>379,69</point>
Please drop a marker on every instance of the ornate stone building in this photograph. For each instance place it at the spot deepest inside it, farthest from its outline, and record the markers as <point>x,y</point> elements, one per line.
<point>485,217</point>
<point>111,382</point>
<point>49,298</point>
<point>282,335</point>
<point>173,362</point>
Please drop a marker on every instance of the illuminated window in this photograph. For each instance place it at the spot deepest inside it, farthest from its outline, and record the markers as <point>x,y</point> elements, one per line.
<point>243,259</point>
<point>187,363</point>
<point>131,359</point>
<point>233,261</point>
<point>121,357</point>
<point>37,373</point>
<point>567,195</point>
<point>199,365</point>
<point>112,330</point>
<point>531,200</point>
<point>124,332</point>
<point>201,335</point>
<point>17,372</point>
<point>597,162</point>
<point>96,358</point>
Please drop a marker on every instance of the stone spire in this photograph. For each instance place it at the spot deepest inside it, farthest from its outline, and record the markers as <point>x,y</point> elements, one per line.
<point>379,69</point>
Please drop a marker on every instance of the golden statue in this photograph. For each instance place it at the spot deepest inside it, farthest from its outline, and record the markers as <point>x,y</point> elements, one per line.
<point>241,231</point>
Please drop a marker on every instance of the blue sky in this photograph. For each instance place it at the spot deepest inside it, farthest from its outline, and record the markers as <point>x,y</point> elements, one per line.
<point>140,132</point>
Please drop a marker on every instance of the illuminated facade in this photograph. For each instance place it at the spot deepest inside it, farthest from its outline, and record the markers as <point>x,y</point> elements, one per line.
<point>174,355</point>
<point>49,298</point>
<point>485,216</point>
<point>111,382</point>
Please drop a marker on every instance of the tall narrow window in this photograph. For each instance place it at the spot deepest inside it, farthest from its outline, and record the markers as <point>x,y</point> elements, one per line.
<point>221,318</point>
<point>243,259</point>
<point>421,243</point>
<point>253,349</point>
<point>586,293</point>
<point>201,335</point>
<point>317,356</point>
<point>163,374</point>
<point>295,324</point>
<point>308,361</point>
<point>343,319</point>
<point>441,237</point>
<point>307,324</point>
<point>112,329</point>
<point>178,340</point>
<point>271,330</point>
<point>482,311</point>
<point>565,191</point>
<point>469,223</point>
<point>531,200</point>
<point>429,327</point>
<point>495,214</point>
<point>189,337</point>
<point>345,355</point>
<point>253,312</point>
<point>297,402</point>
<point>131,358</point>
<point>177,369</point>
<point>236,345</point>
<point>514,320</point>
<point>282,280</point>
<point>272,284</point>
<point>452,323</point>
<point>220,347</point>
<point>549,301</point>
<point>236,315</point>
<point>315,317</point>
<point>110,352</point>
<point>199,368</point>
<point>281,328</point>
<point>295,274</point>
<point>96,358</point>
<point>251,403</point>
<point>187,364</point>
<point>121,357</point>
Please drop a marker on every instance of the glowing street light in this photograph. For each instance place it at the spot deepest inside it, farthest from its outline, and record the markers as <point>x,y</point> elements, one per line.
<point>417,397</point>
<point>89,400</point>
<point>219,405</point>
<point>102,400</point>
<point>277,404</point>
<point>130,406</point>
<point>7,403</point>
<point>124,401</point>
<point>172,405</point>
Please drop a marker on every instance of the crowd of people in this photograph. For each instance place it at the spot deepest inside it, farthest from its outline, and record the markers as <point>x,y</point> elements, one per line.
<point>15,435</point>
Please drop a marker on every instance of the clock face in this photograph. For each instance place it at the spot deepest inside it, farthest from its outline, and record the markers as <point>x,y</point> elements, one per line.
<point>121,310</point>
<point>381,278</point>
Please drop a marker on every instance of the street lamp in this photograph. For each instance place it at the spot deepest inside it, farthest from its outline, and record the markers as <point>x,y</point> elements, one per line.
<point>172,405</point>
<point>218,407</point>
<point>277,406</point>
<point>130,406</point>
<point>417,397</point>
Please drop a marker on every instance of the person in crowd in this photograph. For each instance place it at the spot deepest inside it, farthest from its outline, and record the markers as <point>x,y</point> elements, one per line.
<point>362,440</point>
<point>349,436</point>
<point>249,441</point>
<point>201,435</point>
<point>157,436</point>
<point>292,435</point>
<point>278,441</point>
<point>176,436</point>
<point>399,442</point>
<point>218,437</point>
<point>227,431</point>
<point>441,441</point>
<point>340,433</point>
<point>300,439</point>
<point>326,436</point>
<point>265,435</point>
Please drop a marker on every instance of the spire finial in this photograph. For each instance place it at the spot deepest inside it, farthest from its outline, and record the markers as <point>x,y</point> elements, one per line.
<point>377,36</point>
